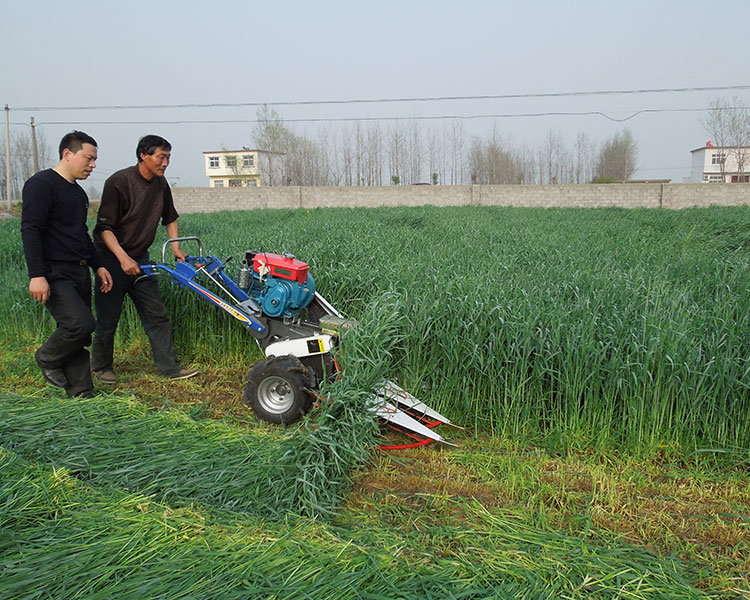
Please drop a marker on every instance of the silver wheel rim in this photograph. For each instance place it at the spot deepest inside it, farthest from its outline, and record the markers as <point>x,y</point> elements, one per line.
<point>275,395</point>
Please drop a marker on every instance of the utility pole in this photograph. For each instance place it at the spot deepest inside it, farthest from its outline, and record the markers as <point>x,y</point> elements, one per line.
<point>7,158</point>
<point>33,142</point>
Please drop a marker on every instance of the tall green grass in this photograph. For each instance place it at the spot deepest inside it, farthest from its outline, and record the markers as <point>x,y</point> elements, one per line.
<point>589,326</point>
<point>592,326</point>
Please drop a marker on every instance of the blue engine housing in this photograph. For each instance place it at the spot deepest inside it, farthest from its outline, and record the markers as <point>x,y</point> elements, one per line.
<point>281,297</point>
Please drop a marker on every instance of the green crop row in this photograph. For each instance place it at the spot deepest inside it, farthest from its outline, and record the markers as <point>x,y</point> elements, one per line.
<point>584,325</point>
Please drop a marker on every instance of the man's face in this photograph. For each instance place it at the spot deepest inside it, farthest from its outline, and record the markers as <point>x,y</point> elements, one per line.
<point>157,162</point>
<point>82,162</point>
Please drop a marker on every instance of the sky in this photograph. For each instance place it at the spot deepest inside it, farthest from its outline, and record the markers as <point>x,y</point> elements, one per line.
<point>169,53</point>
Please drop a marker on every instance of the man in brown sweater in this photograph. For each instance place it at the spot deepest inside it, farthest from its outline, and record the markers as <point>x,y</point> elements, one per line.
<point>133,201</point>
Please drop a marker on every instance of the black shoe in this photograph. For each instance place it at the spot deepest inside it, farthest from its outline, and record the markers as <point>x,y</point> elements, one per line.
<point>54,376</point>
<point>85,395</point>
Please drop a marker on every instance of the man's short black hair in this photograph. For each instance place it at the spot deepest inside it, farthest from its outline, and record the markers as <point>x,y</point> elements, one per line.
<point>149,144</point>
<point>74,141</point>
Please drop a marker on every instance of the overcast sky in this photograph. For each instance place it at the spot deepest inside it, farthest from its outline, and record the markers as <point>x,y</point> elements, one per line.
<point>135,53</point>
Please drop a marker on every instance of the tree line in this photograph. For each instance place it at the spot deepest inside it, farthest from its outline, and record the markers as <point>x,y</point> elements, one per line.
<point>371,153</point>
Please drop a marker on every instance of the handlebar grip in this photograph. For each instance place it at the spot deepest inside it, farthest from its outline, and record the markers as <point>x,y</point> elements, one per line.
<point>181,239</point>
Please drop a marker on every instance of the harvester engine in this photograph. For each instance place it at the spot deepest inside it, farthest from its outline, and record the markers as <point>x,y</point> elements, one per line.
<point>279,284</point>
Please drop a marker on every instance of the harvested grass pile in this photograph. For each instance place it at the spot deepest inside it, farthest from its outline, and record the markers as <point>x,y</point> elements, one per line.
<point>63,539</point>
<point>167,455</point>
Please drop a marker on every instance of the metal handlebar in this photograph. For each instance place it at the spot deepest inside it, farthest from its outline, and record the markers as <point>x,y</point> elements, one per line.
<point>181,239</point>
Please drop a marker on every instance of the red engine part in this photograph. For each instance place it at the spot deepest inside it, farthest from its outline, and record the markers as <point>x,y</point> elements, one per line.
<point>284,267</point>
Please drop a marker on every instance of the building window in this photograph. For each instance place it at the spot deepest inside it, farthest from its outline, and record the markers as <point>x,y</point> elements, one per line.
<point>718,158</point>
<point>230,161</point>
<point>219,183</point>
<point>714,178</point>
<point>248,160</point>
<point>740,178</point>
<point>235,183</point>
<point>213,162</point>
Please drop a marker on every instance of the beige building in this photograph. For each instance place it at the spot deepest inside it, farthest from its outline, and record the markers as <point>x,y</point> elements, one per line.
<point>234,168</point>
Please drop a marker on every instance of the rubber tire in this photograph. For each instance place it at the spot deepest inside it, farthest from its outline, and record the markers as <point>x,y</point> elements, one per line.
<point>277,390</point>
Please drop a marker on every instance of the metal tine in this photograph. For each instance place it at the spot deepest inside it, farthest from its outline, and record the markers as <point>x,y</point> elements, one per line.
<point>394,393</point>
<point>391,414</point>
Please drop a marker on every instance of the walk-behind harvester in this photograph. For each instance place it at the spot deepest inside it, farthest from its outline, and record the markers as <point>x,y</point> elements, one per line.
<point>297,330</point>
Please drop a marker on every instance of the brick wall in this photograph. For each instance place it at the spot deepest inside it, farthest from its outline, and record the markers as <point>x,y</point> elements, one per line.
<point>696,194</point>
<point>583,196</point>
<point>630,195</point>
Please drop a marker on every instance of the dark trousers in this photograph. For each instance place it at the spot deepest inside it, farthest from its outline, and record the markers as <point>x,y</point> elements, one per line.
<point>70,305</point>
<point>144,292</point>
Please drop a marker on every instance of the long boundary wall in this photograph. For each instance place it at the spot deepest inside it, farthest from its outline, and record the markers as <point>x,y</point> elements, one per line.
<point>629,195</point>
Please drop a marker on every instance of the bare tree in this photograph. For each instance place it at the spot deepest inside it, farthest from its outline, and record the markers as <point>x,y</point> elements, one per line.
<point>359,150</point>
<point>397,160</point>
<point>617,158</point>
<point>728,124</point>
<point>328,152</point>
<point>553,158</point>
<point>583,160</point>
<point>272,135</point>
<point>346,157</point>
<point>295,164</point>
<point>365,160</point>
<point>374,171</point>
<point>718,127</point>
<point>491,162</point>
<point>525,167</point>
<point>456,143</point>
<point>435,156</point>
<point>22,160</point>
<point>414,152</point>
<point>478,162</point>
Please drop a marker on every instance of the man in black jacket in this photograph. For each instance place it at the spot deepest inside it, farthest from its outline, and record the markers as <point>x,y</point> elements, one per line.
<point>58,253</point>
<point>134,200</point>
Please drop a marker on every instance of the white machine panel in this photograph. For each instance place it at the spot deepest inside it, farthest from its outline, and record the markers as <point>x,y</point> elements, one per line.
<point>308,346</point>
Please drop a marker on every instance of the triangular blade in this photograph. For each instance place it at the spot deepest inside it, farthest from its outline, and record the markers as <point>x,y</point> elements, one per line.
<point>391,414</point>
<point>393,393</point>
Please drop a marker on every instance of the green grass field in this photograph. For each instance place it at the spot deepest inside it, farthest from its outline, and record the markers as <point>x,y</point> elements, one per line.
<point>599,359</point>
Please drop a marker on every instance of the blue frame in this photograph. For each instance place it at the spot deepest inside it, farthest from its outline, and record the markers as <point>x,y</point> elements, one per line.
<point>184,274</point>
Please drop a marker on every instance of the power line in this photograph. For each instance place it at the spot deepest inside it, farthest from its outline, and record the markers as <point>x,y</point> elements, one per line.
<point>410,118</point>
<point>391,100</point>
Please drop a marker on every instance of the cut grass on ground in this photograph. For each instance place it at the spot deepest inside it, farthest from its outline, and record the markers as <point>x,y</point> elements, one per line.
<point>658,499</point>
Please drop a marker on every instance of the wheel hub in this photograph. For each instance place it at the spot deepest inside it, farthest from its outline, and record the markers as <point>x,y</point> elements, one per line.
<point>275,395</point>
